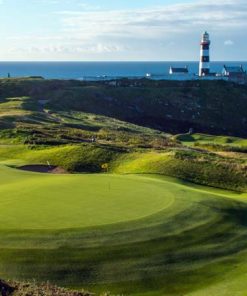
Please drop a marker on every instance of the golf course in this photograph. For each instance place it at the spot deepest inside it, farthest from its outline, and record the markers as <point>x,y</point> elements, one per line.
<point>102,188</point>
<point>128,234</point>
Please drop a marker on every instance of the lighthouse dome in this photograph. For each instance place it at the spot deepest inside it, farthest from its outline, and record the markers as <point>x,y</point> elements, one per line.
<point>205,37</point>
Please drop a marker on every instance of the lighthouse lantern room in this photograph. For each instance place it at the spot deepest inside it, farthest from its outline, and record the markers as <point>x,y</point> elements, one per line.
<point>204,68</point>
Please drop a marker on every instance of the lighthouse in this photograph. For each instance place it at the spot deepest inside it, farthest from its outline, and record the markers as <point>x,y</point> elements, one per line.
<point>204,68</point>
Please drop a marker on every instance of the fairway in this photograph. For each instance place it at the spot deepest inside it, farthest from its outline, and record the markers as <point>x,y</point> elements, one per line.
<point>128,234</point>
<point>40,201</point>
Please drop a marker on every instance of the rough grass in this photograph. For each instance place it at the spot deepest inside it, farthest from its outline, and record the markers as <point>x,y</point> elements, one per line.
<point>32,288</point>
<point>73,158</point>
<point>26,120</point>
<point>173,106</point>
<point>214,143</point>
<point>194,166</point>
<point>221,140</point>
<point>13,107</point>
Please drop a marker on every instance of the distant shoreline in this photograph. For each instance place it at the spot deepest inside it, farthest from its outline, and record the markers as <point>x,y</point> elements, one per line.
<point>80,70</point>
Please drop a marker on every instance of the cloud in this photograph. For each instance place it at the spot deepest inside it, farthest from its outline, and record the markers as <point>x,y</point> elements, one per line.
<point>147,23</point>
<point>228,43</point>
<point>95,48</point>
<point>153,33</point>
<point>88,7</point>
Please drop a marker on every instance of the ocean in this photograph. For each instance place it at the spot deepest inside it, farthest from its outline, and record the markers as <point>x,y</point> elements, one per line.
<point>100,70</point>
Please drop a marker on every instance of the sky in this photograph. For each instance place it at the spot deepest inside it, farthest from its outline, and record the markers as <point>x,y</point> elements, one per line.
<point>121,30</point>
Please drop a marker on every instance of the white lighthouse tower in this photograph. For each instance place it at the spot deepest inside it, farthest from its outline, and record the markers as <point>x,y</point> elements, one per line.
<point>204,68</point>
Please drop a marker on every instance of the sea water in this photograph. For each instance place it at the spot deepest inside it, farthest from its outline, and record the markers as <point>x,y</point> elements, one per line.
<point>101,70</point>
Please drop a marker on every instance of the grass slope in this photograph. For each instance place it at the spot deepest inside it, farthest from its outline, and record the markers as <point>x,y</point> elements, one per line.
<point>173,106</point>
<point>132,235</point>
<point>210,139</point>
<point>199,167</point>
<point>74,158</point>
<point>195,244</point>
<point>53,120</point>
<point>26,120</point>
<point>214,143</point>
<point>194,166</point>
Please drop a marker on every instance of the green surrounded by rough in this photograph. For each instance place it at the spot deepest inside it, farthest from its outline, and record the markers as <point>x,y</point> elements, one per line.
<point>134,235</point>
<point>129,234</point>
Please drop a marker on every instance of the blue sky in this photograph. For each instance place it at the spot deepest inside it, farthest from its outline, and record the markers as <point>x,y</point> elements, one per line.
<point>121,30</point>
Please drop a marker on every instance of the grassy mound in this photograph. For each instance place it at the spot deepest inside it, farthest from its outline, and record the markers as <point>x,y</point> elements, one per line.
<point>194,166</point>
<point>31,121</point>
<point>203,138</point>
<point>214,143</point>
<point>73,158</point>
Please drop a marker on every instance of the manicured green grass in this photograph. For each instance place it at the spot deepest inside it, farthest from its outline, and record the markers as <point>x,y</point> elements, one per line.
<point>72,201</point>
<point>132,235</point>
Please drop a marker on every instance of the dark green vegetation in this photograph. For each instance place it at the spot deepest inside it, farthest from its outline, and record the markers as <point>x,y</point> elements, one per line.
<point>133,235</point>
<point>171,106</point>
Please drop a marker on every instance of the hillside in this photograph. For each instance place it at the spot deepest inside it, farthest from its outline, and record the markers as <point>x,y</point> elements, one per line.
<point>88,127</point>
<point>103,188</point>
<point>215,107</point>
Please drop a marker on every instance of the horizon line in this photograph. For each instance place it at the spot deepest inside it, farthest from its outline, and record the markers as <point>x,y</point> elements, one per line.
<point>117,61</point>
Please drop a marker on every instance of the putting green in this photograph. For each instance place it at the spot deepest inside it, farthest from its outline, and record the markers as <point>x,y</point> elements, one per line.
<point>174,239</point>
<point>40,201</point>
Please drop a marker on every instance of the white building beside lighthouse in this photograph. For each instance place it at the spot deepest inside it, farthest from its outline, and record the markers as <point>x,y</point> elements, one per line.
<point>204,67</point>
